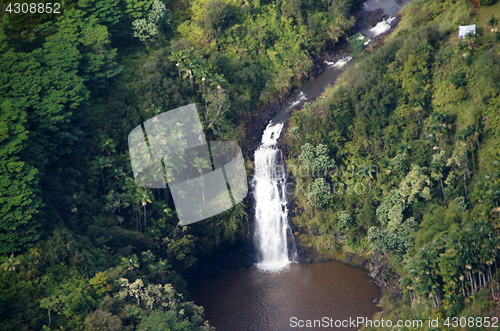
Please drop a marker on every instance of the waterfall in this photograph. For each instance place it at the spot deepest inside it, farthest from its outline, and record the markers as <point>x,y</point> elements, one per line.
<point>269,187</point>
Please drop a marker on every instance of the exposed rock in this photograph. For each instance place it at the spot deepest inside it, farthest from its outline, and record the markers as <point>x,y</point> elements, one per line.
<point>348,258</point>
<point>375,272</point>
<point>368,19</point>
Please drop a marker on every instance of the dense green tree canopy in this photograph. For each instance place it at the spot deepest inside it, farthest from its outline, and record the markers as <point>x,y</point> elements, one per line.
<point>402,153</point>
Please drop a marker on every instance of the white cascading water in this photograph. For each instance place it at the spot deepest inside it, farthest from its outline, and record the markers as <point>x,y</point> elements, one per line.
<point>381,27</point>
<point>270,202</point>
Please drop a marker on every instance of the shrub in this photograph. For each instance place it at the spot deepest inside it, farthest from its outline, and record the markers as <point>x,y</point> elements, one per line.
<point>316,159</point>
<point>218,16</point>
<point>319,196</point>
<point>483,3</point>
<point>459,79</point>
<point>345,221</point>
<point>159,20</point>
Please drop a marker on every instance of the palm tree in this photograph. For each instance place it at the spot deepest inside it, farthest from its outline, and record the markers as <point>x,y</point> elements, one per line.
<point>217,80</point>
<point>469,135</point>
<point>143,197</point>
<point>162,268</point>
<point>471,39</point>
<point>100,163</point>
<point>11,264</point>
<point>493,22</point>
<point>468,253</point>
<point>177,57</point>
<point>188,62</point>
<point>404,147</point>
<point>490,193</point>
<point>130,262</point>
<point>204,74</point>
<point>437,126</point>
<point>187,67</point>
<point>417,104</point>
<point>129,199</point>
<point>201,163</point>
<point>437,168</point>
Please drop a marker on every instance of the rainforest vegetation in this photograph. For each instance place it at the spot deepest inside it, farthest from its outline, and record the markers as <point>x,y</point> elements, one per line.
<point>84,248</point>
<point>407,145</point>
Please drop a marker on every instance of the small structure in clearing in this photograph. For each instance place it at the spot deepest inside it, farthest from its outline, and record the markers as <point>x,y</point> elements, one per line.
<point>463,31</point>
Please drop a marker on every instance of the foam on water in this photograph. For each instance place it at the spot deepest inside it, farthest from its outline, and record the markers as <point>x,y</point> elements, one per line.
<point>300,98</point>
<point>382,26</point>
<point>342,62</point>
<point>271,134</point>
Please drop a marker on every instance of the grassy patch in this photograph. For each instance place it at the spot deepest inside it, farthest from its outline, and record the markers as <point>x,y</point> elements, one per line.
<point>484,15</point>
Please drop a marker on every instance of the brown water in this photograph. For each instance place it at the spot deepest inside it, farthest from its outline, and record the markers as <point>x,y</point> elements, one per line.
<point>251,300</point>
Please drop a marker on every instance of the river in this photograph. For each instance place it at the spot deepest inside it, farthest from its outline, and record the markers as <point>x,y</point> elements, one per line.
<point>277,293</point>
<point>267,295</point>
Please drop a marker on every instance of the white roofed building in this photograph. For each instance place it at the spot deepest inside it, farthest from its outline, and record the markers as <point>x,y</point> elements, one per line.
<point>463,31</point>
